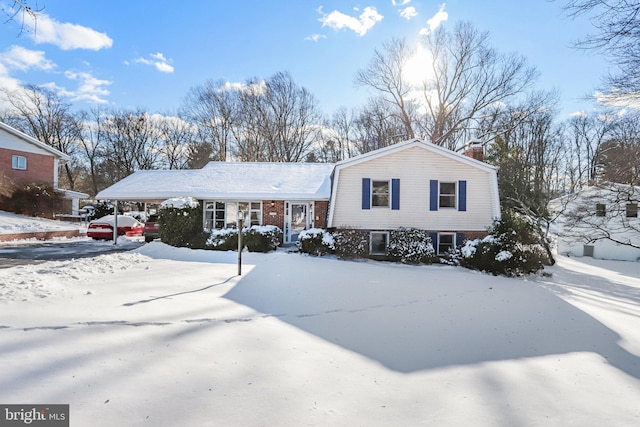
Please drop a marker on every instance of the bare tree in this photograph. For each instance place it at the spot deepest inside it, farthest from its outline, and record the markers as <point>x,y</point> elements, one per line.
<point>617,24</point>
<point>619,156</point>
<point>213,108</point>
<point>467,78</point>
<point>386,74</point>
<point>43,114</point>
<point>21,12</point>
<point>376,126</point>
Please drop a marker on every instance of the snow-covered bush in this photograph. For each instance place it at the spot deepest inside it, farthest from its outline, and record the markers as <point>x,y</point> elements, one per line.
<point>316,241</point>
<point>410,246</point>
<point>262,238</point>
<point>225,239</point>
<point>182,226</point>
<point>350,244</point>
<point>508,250</point>
<point>258,238</point>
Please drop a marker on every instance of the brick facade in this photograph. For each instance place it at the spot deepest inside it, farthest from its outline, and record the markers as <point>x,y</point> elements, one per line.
<point>273,215</point>
<point>320,212</point>
<point>40,168</point>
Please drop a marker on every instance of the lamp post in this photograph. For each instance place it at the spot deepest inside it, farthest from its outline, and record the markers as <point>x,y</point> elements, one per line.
<point>240,221</point>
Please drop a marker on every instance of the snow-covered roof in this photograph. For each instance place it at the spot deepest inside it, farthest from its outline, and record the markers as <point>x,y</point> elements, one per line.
<point>228,180</point>
<point>415,143</point>
<point>31,140</point>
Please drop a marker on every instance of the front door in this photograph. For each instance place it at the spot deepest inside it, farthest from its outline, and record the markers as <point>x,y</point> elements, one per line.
<point>297,220</point>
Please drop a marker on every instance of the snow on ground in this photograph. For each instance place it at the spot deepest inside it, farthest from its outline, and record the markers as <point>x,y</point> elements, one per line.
<point>11,223</point>
<point>164,336</point>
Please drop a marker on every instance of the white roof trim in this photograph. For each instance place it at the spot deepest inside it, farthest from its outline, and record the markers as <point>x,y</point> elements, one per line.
<point>33,141</point>
<point>414,143</point>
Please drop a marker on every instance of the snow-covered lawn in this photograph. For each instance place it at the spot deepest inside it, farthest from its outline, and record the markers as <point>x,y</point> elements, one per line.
<point>173,337</point>
<point>11,223</point>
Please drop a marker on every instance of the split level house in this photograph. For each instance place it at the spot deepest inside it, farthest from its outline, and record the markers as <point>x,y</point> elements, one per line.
<point>410,184</point>
<point>600,221</point>
<point>25,160</point>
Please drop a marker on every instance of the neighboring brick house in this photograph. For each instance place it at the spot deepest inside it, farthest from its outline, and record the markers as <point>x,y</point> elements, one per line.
<point>409,184</point>
<point>25,160</point>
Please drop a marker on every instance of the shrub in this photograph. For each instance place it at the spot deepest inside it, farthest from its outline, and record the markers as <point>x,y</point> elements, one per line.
<point>410,246</point>
<point>34,200</point>
<point>350,243</point>
<point>225,239</point>
<point>510,249</point>
<point>316,241</point>
<point>256,239</point>
<point>182,226</point>
<point>261,238</point>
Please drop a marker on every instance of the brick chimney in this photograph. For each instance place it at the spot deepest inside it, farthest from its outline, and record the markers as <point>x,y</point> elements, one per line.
<point>475,150</point>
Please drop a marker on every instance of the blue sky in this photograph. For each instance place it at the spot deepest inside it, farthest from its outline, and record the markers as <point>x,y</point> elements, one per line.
<point>128,54</point>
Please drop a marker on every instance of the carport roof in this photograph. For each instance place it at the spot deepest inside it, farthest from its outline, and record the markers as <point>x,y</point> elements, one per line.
<point>227,180</point>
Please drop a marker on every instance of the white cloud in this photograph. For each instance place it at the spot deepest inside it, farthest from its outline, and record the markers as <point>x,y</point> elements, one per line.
<point>258,88</point>
<point>618,100</point>
<point>409,12</point>
<point>89,88</point>
<point>66,36</point>
<point>315,37</point>
<point>157,60</point>
<point>360,25</point>
<point>17,57</point>
<point>400,3</point>
<point>435,21</point>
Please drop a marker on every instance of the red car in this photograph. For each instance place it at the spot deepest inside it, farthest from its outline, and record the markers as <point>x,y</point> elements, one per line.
<point>151,229</point>
<point>103,228</point>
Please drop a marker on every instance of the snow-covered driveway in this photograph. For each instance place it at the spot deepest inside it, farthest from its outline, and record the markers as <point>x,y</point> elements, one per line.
<point>169,336</point>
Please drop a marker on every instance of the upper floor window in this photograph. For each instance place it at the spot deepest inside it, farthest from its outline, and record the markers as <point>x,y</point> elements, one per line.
<point>380,193</point>
<point>601,210</point>
<point>447,194</point>
<point>19,162</point>
<point>632,210</point>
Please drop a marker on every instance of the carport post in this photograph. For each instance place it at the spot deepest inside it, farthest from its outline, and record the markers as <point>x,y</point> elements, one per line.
<point>115,225</point>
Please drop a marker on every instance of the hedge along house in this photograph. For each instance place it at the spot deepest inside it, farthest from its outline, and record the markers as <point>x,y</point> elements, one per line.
<point>415,184</point>
<point>292,196</point>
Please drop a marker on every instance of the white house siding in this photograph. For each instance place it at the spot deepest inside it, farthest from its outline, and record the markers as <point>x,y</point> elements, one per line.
<point>415,167</point>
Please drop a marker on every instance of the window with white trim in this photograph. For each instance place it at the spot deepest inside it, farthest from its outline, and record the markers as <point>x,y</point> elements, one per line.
<point>222,214</point>
<point>446,242</point>
<point>378,242</point>
<point>447,195</point>
<point>19,162</point>
<point>632,210</point>
<point>601,209</point>
<point>380,193</point>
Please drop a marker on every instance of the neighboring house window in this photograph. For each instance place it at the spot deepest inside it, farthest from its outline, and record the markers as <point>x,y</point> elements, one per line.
<point>601,210</point>
<point>380,193</point>
<point>378,243</point>
<point>446,242</point>
<point>19,162</point>
<point>219,214</point>
<point>632,210</point>
<point>447,195</point>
